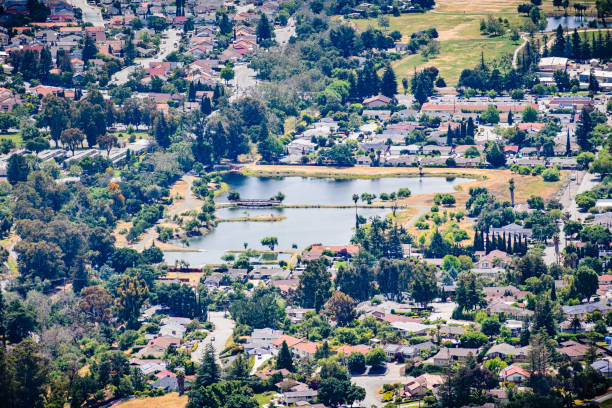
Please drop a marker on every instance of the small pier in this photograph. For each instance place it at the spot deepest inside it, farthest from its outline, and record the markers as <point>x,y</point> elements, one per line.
<point>254,202</point>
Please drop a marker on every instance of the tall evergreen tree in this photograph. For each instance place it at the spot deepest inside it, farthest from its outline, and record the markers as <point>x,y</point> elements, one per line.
<point>205,106</point>
<point>284,358</point>
<point>584,129</point>
<point>264,31</point>
<point>568,146</point>
<point>558,47</point>
<point>388,85</point>
<point>161,131</point>
<point>209,371</point>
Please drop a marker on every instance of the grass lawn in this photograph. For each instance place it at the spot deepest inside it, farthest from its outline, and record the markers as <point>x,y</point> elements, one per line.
<point>458,26</point>
<point>15,137</point>
<point>171,400</point>
<point>264,398</point>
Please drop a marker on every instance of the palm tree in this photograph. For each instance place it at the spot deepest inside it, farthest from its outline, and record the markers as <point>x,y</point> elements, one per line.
<point>511,188</point>
<point>355,199</point>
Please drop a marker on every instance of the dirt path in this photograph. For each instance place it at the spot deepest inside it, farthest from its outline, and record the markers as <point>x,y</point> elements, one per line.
<point>516,52</point>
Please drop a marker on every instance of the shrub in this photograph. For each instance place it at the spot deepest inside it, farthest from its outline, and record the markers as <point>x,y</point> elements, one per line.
<point>551,175</point>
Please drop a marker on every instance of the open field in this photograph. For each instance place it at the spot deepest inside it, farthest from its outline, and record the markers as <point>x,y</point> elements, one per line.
<point>458,26</point>
<point>171,400</point>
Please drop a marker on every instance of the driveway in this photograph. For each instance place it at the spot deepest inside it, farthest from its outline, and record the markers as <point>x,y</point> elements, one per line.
<point>224,328</point>
<point>373,384</point>
<point>165,48</point>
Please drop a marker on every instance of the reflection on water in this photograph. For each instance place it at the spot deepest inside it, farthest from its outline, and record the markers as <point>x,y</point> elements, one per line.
<point>569,22</point>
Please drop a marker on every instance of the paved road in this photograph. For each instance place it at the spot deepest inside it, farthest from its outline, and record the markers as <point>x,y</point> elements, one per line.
<point>91,14</point>
<point>165,48</point>
<point>584,182</point>
<point>244,81</point>
<point>284,33</point>
<point>224,328</point>
<point>373,384</point>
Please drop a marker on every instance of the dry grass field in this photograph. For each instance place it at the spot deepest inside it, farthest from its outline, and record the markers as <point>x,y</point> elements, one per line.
<point>171,400</point>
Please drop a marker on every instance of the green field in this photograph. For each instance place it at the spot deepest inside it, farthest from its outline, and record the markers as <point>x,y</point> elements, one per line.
<point>461,42</point>
<point>15,137</point>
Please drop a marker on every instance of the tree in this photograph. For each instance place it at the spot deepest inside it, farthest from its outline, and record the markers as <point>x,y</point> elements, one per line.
<point>239,368</point>
<point>17,169</point>
<point>342,307</point>
<point>72,138</point>
<point>423,287</point>
<point>491,327</point>
<point>586,282</point>
<point>314,287</point>
<point>584,129</point>
<point>584,159</point>
<point>227,73</point>
<point>107,142</point>
<point>29,370</point>
<point>270,242</point>
<point>511,187</point>
<point>95,305</point>
<point>131,294</point>
<point>284,358</point>
<point>20,321</point>
<point>388,83</point>
<point>491,115</point>
<point>161,131</point>
<point>270,149</point>
<point>209,371</point>
<point>56,115</point>
<point>263,31</point>
<point>376,357</point>
<point>530,114</point>
<point>356,362</point>
<point>89,49</point>
<point>37,145</point>
<point>495,156</point>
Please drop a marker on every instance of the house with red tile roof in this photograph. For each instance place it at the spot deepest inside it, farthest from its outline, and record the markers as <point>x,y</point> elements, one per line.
<point>514,374</point>
<point>305,349</point>
<point>348,349</point>
<point>290,340</point>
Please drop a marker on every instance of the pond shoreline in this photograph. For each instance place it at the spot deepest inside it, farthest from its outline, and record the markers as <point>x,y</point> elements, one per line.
<point>366,173</point>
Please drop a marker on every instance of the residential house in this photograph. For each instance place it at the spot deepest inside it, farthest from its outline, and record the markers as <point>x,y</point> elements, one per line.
<point>574,351</point>
<point>493,259</point>
<point>586,308</point>
<point>418,387</point>
<point>376,101</point>
<point>513,230</point>
<point>505,350</point>
<point>514,374</point>
<point>604,367</point>
<point>304,349</point>
<point>405,350</point>
<point>508,310</point>
<point>446,356</point>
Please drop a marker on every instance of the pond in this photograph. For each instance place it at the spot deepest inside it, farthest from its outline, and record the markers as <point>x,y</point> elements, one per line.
<point>569,22</point>
<point>301,226</point>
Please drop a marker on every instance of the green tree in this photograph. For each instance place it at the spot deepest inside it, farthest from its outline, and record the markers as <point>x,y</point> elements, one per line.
<point>161,131</point>
<point>264,30</point>
<point>284,358</point>
<point>423,287</point>
<point>17,169</point>
<point>584,129</point>
<point>227,73</point>
<point>356,362</point>
<point>388,83</point>
<point>270,242</point>
<point>131,295</point>
<point>29,370</point>
<point>72,138</point>
<point>376,357</point>
<point>314,288</point>
<point>208,372</point>
<point>586,282</point>
<point>530,114</point>
<point>495,156</point>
